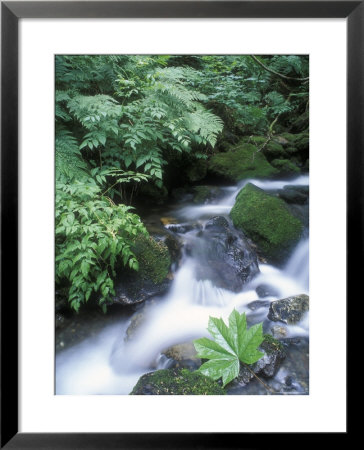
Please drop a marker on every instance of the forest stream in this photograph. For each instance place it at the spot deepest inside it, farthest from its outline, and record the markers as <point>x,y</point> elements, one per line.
<point>120,349</point>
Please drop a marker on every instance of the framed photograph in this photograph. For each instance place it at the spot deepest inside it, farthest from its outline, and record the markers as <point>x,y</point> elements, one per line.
<point>181,207</point>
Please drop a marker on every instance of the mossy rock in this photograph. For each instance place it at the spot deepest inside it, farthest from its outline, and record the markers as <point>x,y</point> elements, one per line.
<point>176,382</point>
<point>289,310</point>
<point>285,166</point>
<point>153,257</point>
<point>270,344</point>
<point>302,142</point>
<point>241,162</point>
<point>274,150</point>
<point>267,220</point>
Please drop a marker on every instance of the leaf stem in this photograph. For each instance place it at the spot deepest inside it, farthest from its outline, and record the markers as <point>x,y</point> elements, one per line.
<point>260,380</point>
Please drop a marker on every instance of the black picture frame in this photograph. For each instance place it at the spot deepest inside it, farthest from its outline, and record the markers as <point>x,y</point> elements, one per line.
<point>11,12</point>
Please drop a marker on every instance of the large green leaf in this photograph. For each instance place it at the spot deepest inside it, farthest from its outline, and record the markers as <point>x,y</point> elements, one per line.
<point>231,345</point>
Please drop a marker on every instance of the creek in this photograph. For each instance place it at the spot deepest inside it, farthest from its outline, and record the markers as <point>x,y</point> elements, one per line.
<point>106,363</point>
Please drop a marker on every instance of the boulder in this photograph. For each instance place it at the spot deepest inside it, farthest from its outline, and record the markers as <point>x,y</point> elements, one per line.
<point>285,166</point>
<point>268,365</point>
<point>294,194</point>
<point>289,310</point>
<point>224,256</point>
<point>241,162</point>
<point>264,290</point>
<point>258,304</point>
<point>151,279</point>
<point>206,194</point>
<point>268,221</point>
<point>176,382</point>
<point>182,356</point>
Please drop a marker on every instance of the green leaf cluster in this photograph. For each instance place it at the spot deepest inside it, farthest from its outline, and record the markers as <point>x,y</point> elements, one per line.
<point>93,236</point>
<point>231,345</point>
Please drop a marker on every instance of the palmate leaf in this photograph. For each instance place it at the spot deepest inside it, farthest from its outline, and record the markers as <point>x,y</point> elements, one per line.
<point>231,344</point>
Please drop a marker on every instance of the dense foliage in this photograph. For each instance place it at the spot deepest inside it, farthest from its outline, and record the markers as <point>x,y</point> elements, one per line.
<point>121,119</point>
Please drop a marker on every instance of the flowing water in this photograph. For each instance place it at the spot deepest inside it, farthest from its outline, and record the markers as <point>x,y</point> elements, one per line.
<point>106,364</point>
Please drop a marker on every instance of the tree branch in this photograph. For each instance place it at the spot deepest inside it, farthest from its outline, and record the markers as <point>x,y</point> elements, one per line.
<point>276,73</point>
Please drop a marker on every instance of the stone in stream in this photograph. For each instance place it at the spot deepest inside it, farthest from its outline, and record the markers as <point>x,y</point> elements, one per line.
<point>152,277</point>
<point>224,256</point>
<point>183,228</point>
<point>264,290</point>
<point>182,356</point>
<point>268,365</point>
<point>257,304</point>
<point>176,382</point>
<point>289,310</point>
<point>294,194</point>
<point>268,222</point>
<point>279,331</point>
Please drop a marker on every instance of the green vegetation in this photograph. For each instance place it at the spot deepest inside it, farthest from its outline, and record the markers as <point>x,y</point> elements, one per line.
<point>232,344</point>
<point>267,220</point>
<point>132,124</point>
<point>242,162</point>
<point>176,382</point>
<point>154,259</point>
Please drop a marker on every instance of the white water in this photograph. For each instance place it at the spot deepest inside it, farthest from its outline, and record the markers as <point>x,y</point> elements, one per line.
<point>107,365</point>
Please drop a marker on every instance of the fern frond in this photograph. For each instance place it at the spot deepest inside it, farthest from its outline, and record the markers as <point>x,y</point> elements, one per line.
<point>69,163</point>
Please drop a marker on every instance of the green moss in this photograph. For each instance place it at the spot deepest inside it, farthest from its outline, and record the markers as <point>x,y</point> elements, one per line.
<point>153,257</point>
<point>302,141</point>
<point>267,221</point>
<point>176,382</point>
<point>273,150</point>
<point>285,166</point>
<point>289,137</point>
<point>242,161</point>
<point>271,344</point>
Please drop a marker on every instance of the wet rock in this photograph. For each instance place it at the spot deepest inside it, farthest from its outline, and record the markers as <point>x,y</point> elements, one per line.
<point>183,228</point>
<point>268,365</point>
<point>264,290</point>
<point>171,240</point>
<point>293,194</point>
<point>206,194</point>
<point>151,279</point>
<point>136,321</point>
<point>257,304</point>
<point>224,256</point>
<point>217,223</point>
<point>279,332</point>
<point>289,310</point>
<point>176,382</point>
<point>182,356</point>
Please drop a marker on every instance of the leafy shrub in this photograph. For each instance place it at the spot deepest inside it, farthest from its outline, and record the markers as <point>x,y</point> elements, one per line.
<point>93,235</point>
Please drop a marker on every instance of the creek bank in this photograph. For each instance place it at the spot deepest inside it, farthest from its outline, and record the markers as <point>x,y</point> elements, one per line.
<point>268,221</point>
<point>258,157</point>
